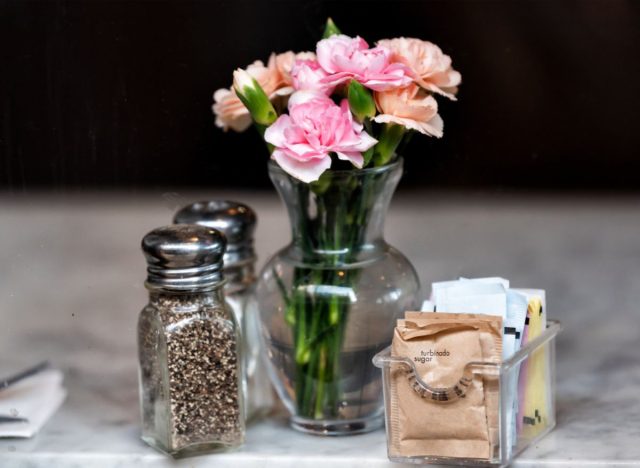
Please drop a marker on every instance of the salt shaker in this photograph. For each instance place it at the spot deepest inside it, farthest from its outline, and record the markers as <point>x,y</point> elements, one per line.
<point>188,345</point>
<point>237,222</point>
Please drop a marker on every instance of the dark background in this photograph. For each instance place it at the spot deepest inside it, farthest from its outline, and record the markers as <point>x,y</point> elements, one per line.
<point>117,94</point>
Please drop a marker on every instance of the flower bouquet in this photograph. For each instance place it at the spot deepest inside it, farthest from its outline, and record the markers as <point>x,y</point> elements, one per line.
<point>334,122</point>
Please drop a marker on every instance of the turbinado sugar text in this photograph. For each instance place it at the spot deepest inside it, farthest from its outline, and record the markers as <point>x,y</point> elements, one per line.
<point>428,355</point>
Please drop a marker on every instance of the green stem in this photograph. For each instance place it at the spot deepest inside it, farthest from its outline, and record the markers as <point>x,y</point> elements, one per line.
<point>320,384</point>
<point>302,349</point>
<point>389,139</point>
<point>261,129</point>
<point>308,378</point>
<point>321,319</point>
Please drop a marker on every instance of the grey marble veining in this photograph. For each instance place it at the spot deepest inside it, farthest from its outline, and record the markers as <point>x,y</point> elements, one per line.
<point>71,287</point>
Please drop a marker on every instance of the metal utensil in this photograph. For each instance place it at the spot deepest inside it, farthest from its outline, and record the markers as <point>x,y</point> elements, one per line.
<point>12,419</point>
<point>5,383</point>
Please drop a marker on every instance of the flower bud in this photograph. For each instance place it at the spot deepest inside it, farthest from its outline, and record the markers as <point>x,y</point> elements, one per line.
<point>330,29</point>
<point>361,101</point>
<point>254,98</point>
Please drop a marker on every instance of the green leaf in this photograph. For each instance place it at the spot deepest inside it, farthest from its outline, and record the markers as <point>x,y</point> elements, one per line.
<point>321,185</point>
<point>330,29</point>
<point>367,155</point>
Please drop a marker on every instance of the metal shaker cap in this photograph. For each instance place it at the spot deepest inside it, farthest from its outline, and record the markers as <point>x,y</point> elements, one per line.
<point>184,257</point>
<point>235,220</point>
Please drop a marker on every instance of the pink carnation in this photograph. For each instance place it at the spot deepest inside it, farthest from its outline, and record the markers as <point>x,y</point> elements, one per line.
<point>315,127</point>
<point>345,58</point>
<point>308,75</point>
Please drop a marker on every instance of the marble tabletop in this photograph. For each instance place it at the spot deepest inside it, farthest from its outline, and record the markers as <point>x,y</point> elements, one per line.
<point>71,286</point>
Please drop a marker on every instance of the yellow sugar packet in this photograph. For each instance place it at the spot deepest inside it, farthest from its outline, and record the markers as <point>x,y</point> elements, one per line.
<point>534,409</point>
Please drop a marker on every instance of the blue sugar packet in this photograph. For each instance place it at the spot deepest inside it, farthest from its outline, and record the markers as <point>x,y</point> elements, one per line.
<point>516,315</point>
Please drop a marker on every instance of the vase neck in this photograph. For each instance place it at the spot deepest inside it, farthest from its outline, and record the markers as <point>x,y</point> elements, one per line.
<point>340,218</point>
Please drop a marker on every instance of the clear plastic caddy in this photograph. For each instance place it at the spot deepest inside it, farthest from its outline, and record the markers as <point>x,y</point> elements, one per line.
<point>526,407</point>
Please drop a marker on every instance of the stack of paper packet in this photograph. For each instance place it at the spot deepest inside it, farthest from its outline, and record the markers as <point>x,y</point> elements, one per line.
<point>35,398</point>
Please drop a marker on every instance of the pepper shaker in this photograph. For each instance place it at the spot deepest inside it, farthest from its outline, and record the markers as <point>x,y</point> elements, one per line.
<point>237,222</point>
<point>188,346</point>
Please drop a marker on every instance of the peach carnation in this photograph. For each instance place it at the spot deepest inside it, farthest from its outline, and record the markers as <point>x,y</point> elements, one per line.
<point>284,63</point>
<point>411,107</point>
<point>430,67</point>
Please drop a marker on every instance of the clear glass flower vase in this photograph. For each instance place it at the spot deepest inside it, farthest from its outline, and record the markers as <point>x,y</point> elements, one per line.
<point>328,301</point>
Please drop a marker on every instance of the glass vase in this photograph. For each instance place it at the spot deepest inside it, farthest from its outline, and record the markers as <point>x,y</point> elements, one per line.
<point>329,300</point>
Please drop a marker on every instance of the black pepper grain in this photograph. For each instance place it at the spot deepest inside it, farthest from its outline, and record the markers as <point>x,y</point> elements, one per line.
<point>202,370</point>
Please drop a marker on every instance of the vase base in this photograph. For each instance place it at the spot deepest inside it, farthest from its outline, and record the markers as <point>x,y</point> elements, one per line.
<point>336,427</point>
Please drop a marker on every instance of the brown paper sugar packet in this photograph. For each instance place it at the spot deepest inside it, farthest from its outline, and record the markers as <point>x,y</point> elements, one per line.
<point>491,352</point>
<point>440,345</point>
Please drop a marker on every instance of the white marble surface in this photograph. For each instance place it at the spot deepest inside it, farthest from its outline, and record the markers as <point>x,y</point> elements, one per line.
<point>71,286</point>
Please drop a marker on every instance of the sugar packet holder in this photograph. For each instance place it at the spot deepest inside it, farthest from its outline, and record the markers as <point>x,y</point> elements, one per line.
<point>538,356</point>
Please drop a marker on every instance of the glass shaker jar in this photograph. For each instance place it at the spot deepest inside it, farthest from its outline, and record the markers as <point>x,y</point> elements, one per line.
<point>188,345</point>
<point>237,222</point>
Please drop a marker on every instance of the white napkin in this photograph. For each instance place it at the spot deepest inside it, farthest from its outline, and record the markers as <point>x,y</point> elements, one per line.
<point>35,398</point>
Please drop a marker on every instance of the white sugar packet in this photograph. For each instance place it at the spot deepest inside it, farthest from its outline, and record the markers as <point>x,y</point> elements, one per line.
<point>490,280</point>
<point>489,296</point>
<point>35,398</point>
<point>485,296</point>
<point>428,306</point>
